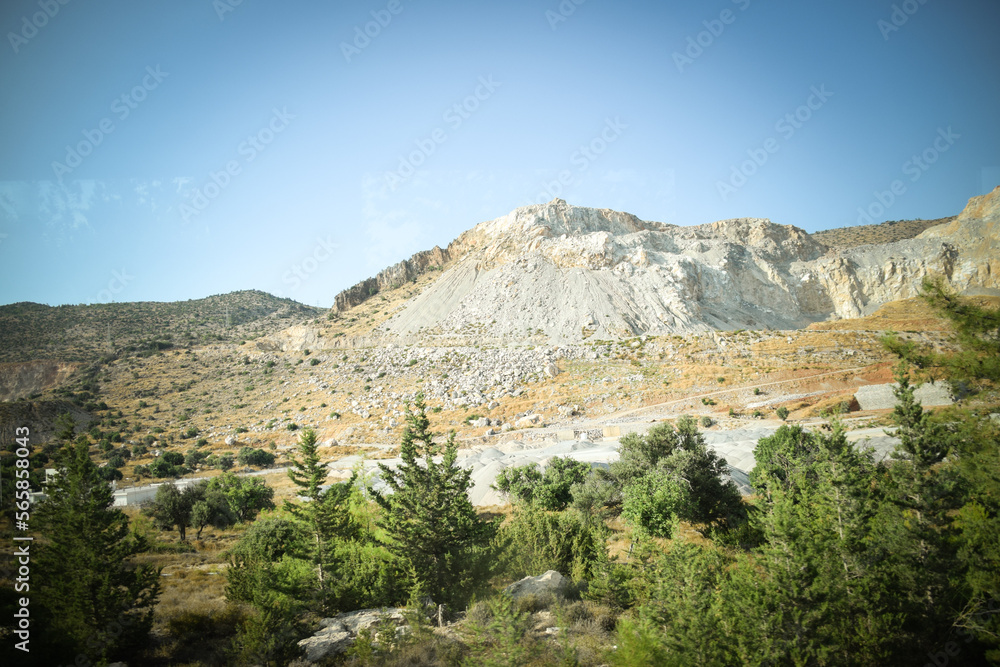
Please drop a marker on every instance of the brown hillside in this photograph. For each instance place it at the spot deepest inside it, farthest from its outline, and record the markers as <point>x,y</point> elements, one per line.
<point>886,232</point>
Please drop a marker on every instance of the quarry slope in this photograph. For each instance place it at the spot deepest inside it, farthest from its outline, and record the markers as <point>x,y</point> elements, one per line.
<point>567,273</point>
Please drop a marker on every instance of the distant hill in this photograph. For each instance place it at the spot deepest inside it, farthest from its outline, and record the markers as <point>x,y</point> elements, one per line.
<point>31,331</point>
<point>886,232</point>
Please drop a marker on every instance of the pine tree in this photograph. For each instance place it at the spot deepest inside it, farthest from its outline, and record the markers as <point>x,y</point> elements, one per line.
<point>922,440</point>
<point>308,474</point>
<point>428,516</point>
<point>325,513</point>
<point>94,601</point>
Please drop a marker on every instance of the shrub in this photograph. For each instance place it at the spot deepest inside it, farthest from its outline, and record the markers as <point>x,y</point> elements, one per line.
<point>706,421</point>
<point>782,413</point>
<point>195,457</point>
<point>551,490</point>
<point>536,541</point>
<point>250,456</point>
<point>292,426</point>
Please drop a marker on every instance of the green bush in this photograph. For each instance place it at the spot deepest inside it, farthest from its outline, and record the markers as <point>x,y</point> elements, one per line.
<point>782,413</point>
<point>551,490</point>
<point>535,541</point>
<point>249,456</point>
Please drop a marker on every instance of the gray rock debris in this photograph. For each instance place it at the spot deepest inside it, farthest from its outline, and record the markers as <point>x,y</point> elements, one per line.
<point>551,582</point>
<point>338,633</point>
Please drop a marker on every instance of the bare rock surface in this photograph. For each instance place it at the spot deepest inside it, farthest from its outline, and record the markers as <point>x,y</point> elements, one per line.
<point>549,583</point>
<point>338,633</point>
<point>571,273</point>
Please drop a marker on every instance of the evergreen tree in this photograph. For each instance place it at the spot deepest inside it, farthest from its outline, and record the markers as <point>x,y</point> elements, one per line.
<point>977,334</point>
<point>324,513</point>
<point>922,440</point>
<point>93,601</point>
<point>428,516</point>
<point>308,474</point>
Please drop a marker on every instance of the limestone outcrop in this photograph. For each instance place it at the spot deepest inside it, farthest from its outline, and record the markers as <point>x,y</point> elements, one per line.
<point>571,273</point>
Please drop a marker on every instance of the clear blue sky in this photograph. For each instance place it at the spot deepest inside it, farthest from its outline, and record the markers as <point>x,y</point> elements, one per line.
<point>336,155</point>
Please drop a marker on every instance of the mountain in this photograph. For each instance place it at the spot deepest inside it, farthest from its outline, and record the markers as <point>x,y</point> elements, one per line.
<point>82,333</point>
<point>570,273</point>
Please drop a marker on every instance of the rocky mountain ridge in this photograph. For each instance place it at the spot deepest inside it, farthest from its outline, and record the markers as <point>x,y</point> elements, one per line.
<point>569,273</point>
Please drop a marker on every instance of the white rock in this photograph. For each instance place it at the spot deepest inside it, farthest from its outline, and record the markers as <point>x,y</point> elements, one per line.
<point>550,582</point>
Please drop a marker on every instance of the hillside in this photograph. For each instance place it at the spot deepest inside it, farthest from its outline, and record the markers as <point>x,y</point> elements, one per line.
<point>886,232</point>
<point>563,274</point>
<point>84,333</point>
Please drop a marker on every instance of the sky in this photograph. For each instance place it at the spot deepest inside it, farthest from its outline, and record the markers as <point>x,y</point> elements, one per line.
<point>165,150</point>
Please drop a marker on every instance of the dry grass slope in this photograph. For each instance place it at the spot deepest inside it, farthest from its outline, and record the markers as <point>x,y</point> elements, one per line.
<point>886,232</point>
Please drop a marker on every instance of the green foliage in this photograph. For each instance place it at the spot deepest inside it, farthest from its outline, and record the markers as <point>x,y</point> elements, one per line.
<point>172,507</point>
<point>922,440</point>
<point>195,457</point>
<point>168,464</point>
<point>977,332</point>
<point>269,636</point>
<point>247,496</point>
<point>655,503</point>
<point>65,427</point>
<point>87,594</point>
<point>211,509</point>
<point>782,413</point>
<point>428,517</point>
<point>324,514</point>
<point>551,490</point>
<point>252,456</point>
<point>262,567</point>
<point>669,475</point>
<point>535,541</point>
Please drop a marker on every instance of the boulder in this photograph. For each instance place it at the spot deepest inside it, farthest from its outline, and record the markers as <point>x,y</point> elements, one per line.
<point>551,370</point>
<point>230,440</point>
<point>338,633</point>
<point>551,582</point>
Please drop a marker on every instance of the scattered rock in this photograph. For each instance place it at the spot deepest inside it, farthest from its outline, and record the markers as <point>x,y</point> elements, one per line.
<point>551,582</point>
<point>339,632</point>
